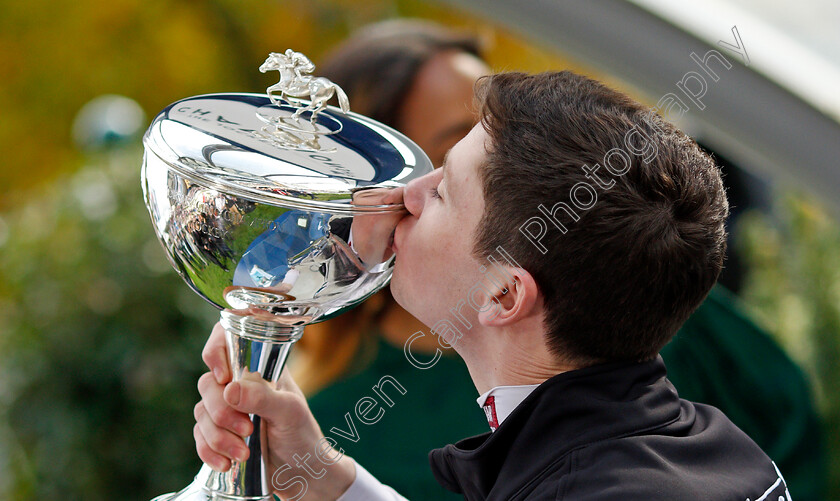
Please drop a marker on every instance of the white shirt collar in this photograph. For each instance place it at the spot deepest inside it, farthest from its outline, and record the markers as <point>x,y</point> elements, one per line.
<point>499,402</point>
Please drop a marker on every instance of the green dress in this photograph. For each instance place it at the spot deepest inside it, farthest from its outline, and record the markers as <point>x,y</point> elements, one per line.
<point>719,357</point>
<point>439,407</point>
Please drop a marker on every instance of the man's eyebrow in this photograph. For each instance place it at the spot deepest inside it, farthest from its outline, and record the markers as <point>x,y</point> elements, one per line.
<point>445,170</point>
<point>445,163</point>
<point>445,160</point>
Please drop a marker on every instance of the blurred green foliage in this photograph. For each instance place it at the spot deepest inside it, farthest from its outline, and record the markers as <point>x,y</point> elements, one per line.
<point>102,344</point>
<point>794,287</point>
<point>56,55</point>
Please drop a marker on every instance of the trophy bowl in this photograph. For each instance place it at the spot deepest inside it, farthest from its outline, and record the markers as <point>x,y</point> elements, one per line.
<point>279,212</point>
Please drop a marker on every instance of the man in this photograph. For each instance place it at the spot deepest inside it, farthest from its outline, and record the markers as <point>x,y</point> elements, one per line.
<point>563,243</point>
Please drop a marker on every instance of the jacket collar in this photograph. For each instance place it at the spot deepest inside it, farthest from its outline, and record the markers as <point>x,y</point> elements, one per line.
<point>564,413</point>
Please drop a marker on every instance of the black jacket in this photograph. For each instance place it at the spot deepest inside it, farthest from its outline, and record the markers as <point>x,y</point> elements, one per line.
<point>616,431</point>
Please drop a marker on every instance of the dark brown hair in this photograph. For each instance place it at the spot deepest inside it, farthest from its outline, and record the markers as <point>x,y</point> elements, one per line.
<point>639,260</point>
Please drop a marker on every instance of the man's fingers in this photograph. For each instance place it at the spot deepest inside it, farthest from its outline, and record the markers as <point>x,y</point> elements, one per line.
<point>207,454</point>
<point>215,441</point>
<point>393,196</point>
<point>215,355</point>
<point>222,414</point>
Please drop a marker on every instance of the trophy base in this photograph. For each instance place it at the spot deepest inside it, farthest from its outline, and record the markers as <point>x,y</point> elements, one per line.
<point>198,491</point>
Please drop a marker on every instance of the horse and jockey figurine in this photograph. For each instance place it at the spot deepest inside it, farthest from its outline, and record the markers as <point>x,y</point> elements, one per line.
<point>296,81</point>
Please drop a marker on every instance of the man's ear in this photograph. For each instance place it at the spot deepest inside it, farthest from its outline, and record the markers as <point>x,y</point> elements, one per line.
<point>512,303</point>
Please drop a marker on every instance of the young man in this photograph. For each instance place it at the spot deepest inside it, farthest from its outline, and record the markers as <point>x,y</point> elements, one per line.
<point>563,243</point>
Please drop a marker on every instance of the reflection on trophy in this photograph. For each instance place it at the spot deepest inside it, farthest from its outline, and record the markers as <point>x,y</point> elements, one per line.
<point>279,211</point>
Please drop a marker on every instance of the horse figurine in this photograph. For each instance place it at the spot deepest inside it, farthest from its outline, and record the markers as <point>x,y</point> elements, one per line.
<point>296,81</point>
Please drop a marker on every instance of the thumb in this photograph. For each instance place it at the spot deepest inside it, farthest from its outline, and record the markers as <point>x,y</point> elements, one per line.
<point>254,395</point>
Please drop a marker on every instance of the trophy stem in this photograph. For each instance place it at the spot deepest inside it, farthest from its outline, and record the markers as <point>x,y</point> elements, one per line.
<point>253,346</point>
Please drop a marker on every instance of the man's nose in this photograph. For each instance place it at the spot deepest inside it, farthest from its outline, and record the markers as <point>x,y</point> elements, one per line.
<point>416,192</point>
<point>413,196</point>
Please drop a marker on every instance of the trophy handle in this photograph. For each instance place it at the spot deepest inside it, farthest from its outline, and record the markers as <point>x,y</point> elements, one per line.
<point>255,346</point>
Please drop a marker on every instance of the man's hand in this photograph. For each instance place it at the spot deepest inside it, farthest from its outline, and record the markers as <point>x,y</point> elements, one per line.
<point>294,439</point>
<point>372,234</point>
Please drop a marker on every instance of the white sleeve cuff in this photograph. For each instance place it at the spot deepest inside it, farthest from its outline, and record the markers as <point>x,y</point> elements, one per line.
<point>366,488</point>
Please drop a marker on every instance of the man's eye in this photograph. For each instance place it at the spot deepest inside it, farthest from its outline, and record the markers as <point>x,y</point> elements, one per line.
<point>435,193</point>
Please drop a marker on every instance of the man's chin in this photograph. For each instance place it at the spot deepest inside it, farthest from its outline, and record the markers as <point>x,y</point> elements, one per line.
<point>398,291</point>
<point>396,288</point>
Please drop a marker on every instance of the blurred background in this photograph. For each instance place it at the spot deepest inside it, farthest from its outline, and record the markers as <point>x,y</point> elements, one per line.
<point>100,340</point>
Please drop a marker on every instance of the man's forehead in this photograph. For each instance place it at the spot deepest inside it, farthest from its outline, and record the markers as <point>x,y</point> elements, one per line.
<point>471,145</point>
<point>461,169</point>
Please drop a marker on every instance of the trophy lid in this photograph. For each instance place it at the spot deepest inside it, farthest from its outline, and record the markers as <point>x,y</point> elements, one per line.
<point>289,152</point>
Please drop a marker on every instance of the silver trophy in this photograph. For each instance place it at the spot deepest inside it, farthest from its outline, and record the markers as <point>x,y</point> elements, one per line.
<point>279,210</point>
